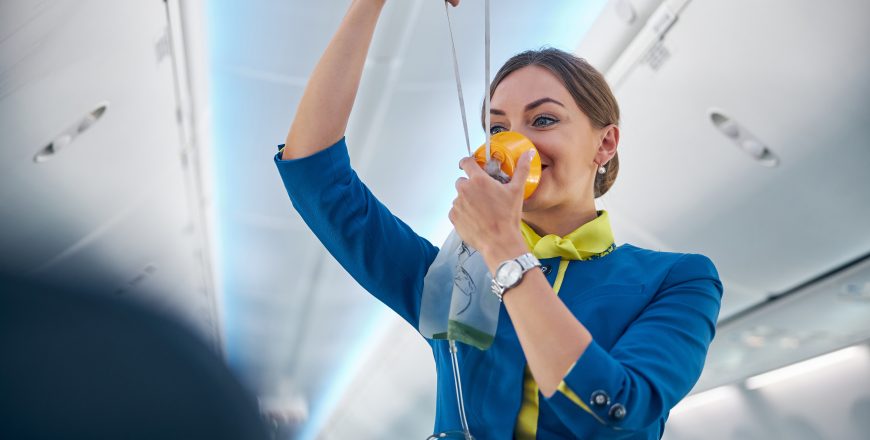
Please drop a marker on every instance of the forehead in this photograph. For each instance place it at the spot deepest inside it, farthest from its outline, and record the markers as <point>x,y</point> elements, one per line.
<point>528,84</point>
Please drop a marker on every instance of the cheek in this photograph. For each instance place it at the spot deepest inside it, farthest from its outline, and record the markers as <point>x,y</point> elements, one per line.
<point>568,169</point>
<point>548,147</point>
<point>544,140</point>
<point>560,159</point>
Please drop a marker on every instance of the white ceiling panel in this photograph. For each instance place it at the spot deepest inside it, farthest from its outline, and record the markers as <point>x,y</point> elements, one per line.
<point>55,203</point>
<point>767,228</point>
<point>619,23</point>
<point>117,209</point>
<point>128,257</point>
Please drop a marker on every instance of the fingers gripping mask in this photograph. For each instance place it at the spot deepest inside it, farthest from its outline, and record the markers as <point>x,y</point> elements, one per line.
<point>506,148</point>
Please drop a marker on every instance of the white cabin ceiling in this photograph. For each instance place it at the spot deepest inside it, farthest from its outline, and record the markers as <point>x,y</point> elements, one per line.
<point>128,201</point>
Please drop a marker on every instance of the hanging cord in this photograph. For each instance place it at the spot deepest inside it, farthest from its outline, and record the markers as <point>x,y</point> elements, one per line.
<point>457,382</point>
<point>458,80</point>
<point>486,103</point>
<point>486,45</point>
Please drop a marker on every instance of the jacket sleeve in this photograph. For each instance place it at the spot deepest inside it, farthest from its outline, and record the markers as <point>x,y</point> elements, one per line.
<point>379,251</point>
<point>653,365</point>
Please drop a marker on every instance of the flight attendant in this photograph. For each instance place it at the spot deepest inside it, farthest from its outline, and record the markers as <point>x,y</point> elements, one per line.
<point>594,340</point>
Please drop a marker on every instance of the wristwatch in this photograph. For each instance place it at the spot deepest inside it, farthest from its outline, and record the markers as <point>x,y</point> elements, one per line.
<point>510,272</point>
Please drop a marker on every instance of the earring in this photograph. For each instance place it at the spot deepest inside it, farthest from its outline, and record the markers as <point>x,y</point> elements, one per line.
<point>602,170</point>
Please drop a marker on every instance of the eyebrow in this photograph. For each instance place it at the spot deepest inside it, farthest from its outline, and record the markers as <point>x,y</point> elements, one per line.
<point>529,106</point>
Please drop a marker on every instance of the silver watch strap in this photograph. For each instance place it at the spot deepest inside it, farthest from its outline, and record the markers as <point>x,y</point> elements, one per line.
<point>527,261</point>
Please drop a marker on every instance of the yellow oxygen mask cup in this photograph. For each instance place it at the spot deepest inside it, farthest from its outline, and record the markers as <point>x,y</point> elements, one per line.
<point>505,149</point>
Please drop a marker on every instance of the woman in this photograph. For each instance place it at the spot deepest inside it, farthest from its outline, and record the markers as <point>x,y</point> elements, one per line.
<point>600,343</point>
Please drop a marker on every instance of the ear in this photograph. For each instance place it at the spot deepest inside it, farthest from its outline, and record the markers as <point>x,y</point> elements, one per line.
<point>609,140</point>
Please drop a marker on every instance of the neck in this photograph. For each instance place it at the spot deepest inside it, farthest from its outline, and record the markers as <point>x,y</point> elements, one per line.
<point>560,220</point>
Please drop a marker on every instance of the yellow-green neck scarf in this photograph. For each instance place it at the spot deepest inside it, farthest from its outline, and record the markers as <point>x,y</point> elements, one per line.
<point>592,240</point>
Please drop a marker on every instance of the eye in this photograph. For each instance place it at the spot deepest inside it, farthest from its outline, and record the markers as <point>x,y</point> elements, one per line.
<point>544,121</point>
<point>496,129</point>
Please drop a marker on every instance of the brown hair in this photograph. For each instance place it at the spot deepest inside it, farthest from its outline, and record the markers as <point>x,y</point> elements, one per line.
<point>586,85</point>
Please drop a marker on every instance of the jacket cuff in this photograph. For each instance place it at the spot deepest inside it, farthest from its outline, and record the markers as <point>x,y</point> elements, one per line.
<point>320,168</point>
<point>590,384</point>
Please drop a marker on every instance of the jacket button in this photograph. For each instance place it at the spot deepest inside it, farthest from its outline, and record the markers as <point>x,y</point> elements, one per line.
<point>546,269</point>
<point>617,412</point>
<point>599,398</point>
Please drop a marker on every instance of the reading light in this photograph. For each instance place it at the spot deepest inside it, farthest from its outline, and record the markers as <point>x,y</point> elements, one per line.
<point>68,136</point>
<point>744,139</point>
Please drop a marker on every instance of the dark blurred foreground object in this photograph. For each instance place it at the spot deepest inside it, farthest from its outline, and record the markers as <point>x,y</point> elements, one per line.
<point>75,365</point>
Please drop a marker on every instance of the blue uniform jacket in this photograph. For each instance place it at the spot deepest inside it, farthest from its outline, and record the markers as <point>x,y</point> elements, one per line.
<point>652,316</point>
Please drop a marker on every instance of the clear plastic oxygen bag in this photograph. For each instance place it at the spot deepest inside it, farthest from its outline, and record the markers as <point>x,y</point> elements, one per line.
<point>457,301</point>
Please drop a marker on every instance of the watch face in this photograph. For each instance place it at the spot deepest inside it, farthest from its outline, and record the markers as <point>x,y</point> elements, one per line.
<point>509,273</point>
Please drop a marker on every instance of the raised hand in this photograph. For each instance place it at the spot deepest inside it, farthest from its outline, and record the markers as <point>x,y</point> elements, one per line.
<point>487,213</point>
